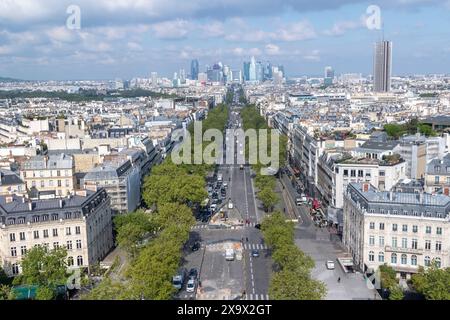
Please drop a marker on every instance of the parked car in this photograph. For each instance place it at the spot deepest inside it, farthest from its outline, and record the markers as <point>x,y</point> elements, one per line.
<point>193,274</point>
<point>330,265</point>
<point>191,284</point>
<point>195,246</point>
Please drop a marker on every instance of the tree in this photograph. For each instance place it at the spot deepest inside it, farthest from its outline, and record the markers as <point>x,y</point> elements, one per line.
<point>174,214</point>
<point>45,293</point>
<point>433,283</point>
<point>6,293</point>
<point>394,130</point>
<point>290,257</point>
<point>132,228</point>
<point>396,293</point>
<point>295,285</point>
<point>277,232</point>
<point>388,277</point>
<point>268,198</point>
<point>44,267</point>
<point>3,277</point>
<point>108,290</point>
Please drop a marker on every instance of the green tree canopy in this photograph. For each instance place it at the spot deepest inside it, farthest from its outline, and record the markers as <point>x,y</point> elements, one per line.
<point>43,267</point>
<point>433,283</point>
<point>295,285</point>
<point>268,198</point>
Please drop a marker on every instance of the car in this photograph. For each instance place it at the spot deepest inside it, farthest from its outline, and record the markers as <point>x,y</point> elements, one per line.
<point>195,246</point>
<point>193,274</point>
<point>213,207</point>
<point>190,287</point>
<point>258,226</point>
<point>225,185</point>
<point>330,265</point>
<point>255,253</point>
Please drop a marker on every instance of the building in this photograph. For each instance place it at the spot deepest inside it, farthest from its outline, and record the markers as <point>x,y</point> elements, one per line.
<point>122,182</point>
<point>437,175</point>
<point>81,223</point>
<point>402,230</point>
<point>10,183</point>
<point>328,76</point>
<point>382,66</point>
<point>49,173</point>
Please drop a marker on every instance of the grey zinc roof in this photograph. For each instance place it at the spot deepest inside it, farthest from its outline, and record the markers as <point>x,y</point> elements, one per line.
<point>59,161</point>
<point>9,178</point>
<point>377,145</point>
<point>439,166</point>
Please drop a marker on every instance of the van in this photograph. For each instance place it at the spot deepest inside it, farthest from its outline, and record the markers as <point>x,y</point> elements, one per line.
<point>229,255</point>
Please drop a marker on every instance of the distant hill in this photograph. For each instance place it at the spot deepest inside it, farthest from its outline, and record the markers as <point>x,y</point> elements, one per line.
<point>2,79</point>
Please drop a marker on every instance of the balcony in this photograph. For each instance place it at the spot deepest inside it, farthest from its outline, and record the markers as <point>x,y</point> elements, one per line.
<point>404,250</point>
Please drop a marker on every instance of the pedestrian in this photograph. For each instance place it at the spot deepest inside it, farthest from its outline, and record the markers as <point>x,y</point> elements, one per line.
<point>339,280</point>
<point>247,239</point>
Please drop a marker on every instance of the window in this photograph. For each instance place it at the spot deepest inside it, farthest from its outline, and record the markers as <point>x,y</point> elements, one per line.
<point>12,237</point>
<point>427,261</point>
<point>45,233</point>
<point>59,183</point>
<point>404,243</point>
<point>360,174</point>
<point>67,183</point>
<point>382,173</point>
<point>438,246</point>
<point>69,245</point>
<point>15,268</point>
<point>415,229</point>
<point>372,225</point>
<point>427,244</point>
<point>42,184</point>
<point>353,173</point>
<point>79,260</point>
<point>381,257</point>
<point>70,261</point>
<point>404,259</point>
<point>45,217</point>
<point>448,180</point>
<point>23,250</point>
<point>437,261</point>
<point>22,236</point>
<point>394,258</point>
<point>13,252</point>
<point>371,240</point>
<point>439,230</point>
<point>436,179</point>
<point>68,215</point>
<point>394,227</point>
<point>394,242</point>
<point>414,260</point>
<point>371,256</point>
<point>35,218</point>
<point>55,232</point>
<point>381,226</point>
<point>381,241</point>
<point>36,234</point>
<point>345,173</point>
<point>68,231</point>
<point>55,245</point>
<point>405,228</point>
<point>428,229</point>
<point>50,183</point>
<point>78,244</point>
<point>77,230</point>
<point>414,244</point>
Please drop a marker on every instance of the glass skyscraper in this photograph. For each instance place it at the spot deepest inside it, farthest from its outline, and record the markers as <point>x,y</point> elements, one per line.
<point>194,69</point>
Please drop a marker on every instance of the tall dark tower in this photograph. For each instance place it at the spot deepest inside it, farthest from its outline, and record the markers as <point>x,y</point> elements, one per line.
<point>194,69</point>
<point>382,66</point>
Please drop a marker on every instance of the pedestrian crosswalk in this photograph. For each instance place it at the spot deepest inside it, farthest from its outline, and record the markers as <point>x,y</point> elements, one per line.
<point>255,246</point>
<point>256,296</point>
<point>212,227</point>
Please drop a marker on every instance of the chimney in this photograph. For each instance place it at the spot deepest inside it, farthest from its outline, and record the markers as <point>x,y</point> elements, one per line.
<point>81,193</point>
<point>9,199</point>
<point>365,187</point>
<point>447,191</point>
<point>61,203</point>
<point>30,205</point>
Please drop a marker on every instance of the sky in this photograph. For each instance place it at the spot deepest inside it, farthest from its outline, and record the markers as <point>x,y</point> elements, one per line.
<point>131,38</point>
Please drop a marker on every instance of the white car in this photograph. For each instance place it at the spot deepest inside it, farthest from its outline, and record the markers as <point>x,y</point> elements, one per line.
<point>190,287</point>
<point>230,205</point>
<point>330,265</point>
<point>213,207</point>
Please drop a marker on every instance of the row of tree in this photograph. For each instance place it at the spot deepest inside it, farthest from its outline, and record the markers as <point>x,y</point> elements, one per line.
<point>292,277</point>
<point>154,242</point>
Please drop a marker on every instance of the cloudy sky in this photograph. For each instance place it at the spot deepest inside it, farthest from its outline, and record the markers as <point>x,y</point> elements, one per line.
<point>128,38</point>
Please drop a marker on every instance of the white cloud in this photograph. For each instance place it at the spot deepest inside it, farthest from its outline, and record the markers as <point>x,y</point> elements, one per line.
<point>272,50</point>
<point>171,30</point>
<point>341,27</point>
<point>133,46</point>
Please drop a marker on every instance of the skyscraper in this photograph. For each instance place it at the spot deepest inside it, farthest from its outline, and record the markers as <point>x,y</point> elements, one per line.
<point>252,70</point>
<point>382,66</point>
<point>328,76</point>
<point>246,71</point>
<point>194,69</point>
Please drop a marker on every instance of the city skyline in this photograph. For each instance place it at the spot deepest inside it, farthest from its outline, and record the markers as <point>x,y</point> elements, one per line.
<point>36,44</point>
